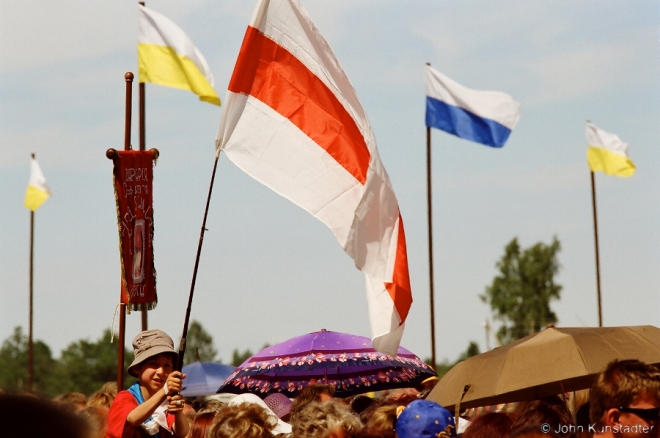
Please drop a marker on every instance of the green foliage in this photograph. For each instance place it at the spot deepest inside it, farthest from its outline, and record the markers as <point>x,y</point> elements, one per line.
<point>520,295</point>
<point>14,366</point>
<point>87,365</point>
<point>199,345</point>
<point>84,366</point>
<point>238,358</point>
<point>443,367</point>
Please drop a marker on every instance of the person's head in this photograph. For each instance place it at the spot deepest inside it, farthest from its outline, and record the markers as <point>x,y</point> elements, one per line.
<point>360,403</point>
<point>382,418</point>
<point>490,425</point>
<point>312,393</point>
<point>72,401</point>
<point>104,396</point>
<point>243,420</point>
<point>322,419</point>
<point>154,359</point>
<point>533,431</point>
<point>201,424</point>
<point>280,425</point>
<point>30,417</point>
<point>96,419</point>
<point>627,393</point>
<point>540,412</point>
<point>425,419</point>
<point>203,404</point>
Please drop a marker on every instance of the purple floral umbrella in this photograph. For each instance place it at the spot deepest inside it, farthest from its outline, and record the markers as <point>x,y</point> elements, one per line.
<point>347,362</point>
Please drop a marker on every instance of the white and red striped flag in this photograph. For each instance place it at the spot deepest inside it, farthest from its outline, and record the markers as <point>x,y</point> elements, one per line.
<point>292,121</point>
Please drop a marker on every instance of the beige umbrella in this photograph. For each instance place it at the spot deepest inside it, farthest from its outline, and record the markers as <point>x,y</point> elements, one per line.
<point>553,361</point>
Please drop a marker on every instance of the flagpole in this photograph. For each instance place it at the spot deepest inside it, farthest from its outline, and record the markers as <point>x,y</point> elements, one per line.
<point>182,344</point>
<point>143,145</point>
<point>30,336</point>
<point>593,203</point>
<point>128,77</point>
<point>430,225</point>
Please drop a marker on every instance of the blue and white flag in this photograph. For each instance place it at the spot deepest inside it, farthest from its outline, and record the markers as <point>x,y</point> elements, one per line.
<point>485,117</point>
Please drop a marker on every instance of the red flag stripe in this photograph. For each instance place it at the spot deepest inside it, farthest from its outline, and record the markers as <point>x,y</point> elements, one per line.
<point>272,74</point>
<point>399,289</point>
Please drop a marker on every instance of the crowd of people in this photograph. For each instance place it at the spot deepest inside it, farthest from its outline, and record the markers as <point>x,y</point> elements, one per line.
<point>623,402</point>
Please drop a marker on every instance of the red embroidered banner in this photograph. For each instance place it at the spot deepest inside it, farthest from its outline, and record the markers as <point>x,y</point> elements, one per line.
<point>133,176</point>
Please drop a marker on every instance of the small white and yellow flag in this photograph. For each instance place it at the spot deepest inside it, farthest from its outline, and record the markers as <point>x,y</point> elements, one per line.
<point>166,56</point>
<point>37,190</point>
<point>607,153</point>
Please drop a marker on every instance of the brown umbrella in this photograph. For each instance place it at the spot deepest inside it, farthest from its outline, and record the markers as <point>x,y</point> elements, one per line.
<point>553,361</point>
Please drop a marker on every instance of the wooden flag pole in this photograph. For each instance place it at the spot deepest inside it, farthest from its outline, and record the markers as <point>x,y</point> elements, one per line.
<point>143,145</point>
<point>593,203</point>
<point>30,336</point>
<point>430,224</point>
<point>128,77</point>
<point>430,221</point>
<point>182,344</point>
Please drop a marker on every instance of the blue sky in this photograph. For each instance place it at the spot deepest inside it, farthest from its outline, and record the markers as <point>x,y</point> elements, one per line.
<point>269,271</point>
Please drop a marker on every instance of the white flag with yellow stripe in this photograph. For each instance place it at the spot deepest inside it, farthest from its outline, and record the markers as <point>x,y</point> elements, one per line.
<point>607,153</point>
<point>37,190</point>
<point>167,56</point>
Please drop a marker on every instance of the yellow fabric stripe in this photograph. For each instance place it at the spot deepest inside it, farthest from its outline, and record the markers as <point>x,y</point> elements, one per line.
<point>609,162</point>
<point>163,66</point>
<point>34,197</point>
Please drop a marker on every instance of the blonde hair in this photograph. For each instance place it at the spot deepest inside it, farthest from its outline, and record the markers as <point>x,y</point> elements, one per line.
<point>244,420</point>
<point>104,396</point>
<point>319,420</point>
<point>382,418</point>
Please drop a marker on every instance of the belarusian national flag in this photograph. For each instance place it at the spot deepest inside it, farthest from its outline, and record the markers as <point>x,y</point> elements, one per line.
<point>292,120</point>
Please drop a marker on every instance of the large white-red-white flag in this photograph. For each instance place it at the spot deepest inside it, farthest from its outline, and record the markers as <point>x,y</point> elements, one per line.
<point>293,121</point>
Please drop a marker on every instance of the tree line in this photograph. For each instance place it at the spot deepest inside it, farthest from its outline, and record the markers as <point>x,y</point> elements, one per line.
<point>519,298</point>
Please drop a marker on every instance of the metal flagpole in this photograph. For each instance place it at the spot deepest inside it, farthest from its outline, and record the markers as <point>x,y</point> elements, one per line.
<point>30,336</point>
<point>430,224</point>
<point>593,203</point>
<point>182,344</point>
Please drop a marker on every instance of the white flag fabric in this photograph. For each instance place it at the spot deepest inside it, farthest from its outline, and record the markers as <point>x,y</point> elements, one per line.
<point>292,121</point>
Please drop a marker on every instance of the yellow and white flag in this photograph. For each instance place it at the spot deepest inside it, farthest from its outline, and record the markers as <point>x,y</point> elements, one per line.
<point>37,190</point>
<point>608,153</point>
<point>166,56</point>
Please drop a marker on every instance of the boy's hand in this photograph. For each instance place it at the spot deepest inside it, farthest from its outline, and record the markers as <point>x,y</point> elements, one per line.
<point>175,382</point>
<point>175,404</point>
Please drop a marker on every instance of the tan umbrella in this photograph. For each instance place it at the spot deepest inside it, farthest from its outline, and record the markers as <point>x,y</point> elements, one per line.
<point>553,361</point>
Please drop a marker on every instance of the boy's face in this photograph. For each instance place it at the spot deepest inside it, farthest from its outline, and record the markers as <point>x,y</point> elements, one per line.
<point>153,372</point>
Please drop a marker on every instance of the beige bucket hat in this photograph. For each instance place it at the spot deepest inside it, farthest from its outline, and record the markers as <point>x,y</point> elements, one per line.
<point>149,343</point>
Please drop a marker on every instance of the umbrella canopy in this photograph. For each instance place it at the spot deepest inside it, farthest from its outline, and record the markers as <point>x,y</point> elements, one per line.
<point>347,362</point>
<point>553,361</point>
<point>203,378</point>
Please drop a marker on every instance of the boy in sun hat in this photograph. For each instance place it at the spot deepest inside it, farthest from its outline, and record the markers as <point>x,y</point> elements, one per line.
<point>149,407</point>
<point>424,419</point>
